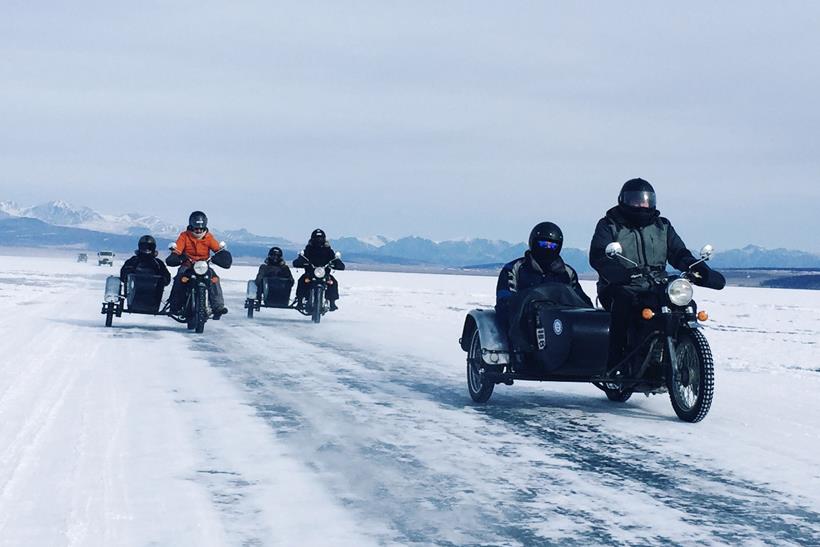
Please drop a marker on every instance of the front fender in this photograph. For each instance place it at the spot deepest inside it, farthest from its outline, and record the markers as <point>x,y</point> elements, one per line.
<point>494,339</point>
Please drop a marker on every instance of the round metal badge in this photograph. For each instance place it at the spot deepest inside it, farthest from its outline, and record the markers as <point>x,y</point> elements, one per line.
<point>557,327</point>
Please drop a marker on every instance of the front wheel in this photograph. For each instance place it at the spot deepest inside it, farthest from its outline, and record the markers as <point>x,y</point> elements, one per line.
<point>201,314</point>
<point>692,383</point>
<point>480,389</point>
<point>250,309</point>
<point>318,300</point>
<point>109,315</point>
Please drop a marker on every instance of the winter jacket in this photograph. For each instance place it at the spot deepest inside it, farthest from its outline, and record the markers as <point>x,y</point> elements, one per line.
<point>524,273</point>
<point>318,256</point>
<point>196,249</point>
<point>277,269</point>
<point>147,264</point>
<point>650,246</point>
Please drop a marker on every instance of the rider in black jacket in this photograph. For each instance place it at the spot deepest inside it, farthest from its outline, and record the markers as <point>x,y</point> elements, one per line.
<point>318,252</point>
<point>647,239</point>
<point>541,264</point>
<point>145,261</point>
<point>273,267</point>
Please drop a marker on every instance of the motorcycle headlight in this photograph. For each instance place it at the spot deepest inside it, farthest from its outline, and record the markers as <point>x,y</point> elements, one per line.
<point>319,272</point>
<point>680,292</point>
<point>200,267</point>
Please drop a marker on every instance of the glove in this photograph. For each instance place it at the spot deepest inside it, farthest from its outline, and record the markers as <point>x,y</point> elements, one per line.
<point>687,261</point>
<point>707,277</point>
<point>175,260</point>
<point>638,279</point>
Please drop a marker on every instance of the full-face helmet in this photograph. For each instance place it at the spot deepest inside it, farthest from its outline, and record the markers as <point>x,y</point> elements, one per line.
<point>147,245</point>
<point>317,238</point>
<point>198,222</point>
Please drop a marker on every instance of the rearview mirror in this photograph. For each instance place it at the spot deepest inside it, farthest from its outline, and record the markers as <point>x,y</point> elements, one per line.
<point>614,249</point>
<point>707,252</point>
<point>172,247</point>
<point>338,254</point>
<point>301,253</point>
<point>222,245</point>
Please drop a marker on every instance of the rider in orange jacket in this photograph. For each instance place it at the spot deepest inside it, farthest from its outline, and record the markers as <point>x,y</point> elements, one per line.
<point>192,245</point>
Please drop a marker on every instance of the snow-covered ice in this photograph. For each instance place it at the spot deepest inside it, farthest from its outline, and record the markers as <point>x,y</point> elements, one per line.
<point>357,431</point>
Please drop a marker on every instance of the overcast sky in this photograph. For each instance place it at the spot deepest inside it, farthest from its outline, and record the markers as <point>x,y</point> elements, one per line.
<point>438,119</point>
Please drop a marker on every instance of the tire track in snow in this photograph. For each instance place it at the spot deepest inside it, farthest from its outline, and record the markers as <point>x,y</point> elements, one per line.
<point>433,487</point>
<point>707,504</point>
<point>732,509</point>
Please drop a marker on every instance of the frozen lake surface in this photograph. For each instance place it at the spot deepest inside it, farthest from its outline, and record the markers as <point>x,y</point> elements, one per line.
<point>358,431</point>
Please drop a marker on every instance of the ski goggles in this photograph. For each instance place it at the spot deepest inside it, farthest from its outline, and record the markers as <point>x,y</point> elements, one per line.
<point>544,244</point>
<point>197,230</point>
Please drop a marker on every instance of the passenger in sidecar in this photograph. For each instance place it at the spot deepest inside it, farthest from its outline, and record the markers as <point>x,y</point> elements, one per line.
<point>272,286</point>
<point>140,285</point>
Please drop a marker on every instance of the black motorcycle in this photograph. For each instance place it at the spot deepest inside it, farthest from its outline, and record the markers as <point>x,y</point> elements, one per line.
<point>318,278</point>
<point>197,280</point>
<point>667,351</point>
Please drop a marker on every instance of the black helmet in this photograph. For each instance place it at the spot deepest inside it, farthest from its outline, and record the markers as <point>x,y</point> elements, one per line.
<point>637,194</point>
<point>317,238</point>
<point>198,219</point>
<point>146,245</point>
<point>546,239</point>
<point>275,254</point>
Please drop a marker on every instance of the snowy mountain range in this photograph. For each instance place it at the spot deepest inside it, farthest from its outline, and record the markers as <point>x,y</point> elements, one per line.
<point>61,224</point>
<point>61,213</point>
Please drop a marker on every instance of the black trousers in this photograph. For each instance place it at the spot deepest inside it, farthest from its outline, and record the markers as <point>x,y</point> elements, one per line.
<point>625,304</point>
<point>177,297</point>
<point>332,292</point>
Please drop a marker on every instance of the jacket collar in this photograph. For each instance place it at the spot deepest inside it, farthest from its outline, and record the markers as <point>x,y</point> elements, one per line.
<point>617,216</point>
<point>556,266</point>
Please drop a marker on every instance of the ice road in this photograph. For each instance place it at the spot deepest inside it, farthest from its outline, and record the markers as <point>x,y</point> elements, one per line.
<point>359,431</point>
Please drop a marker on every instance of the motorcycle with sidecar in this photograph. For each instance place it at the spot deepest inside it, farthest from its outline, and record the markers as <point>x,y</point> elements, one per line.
<point>142,293</point>
<point>667,352</point>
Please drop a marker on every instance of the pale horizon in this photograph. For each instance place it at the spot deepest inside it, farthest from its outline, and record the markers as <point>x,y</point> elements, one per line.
<point>442,121</point>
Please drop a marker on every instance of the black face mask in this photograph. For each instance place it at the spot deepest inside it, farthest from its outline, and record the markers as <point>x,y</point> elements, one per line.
<point>638,216</point>
<point>545,258</point>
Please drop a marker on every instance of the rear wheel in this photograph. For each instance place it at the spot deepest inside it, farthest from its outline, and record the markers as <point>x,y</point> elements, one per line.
<point>692,383</point>
<point>478,386</point>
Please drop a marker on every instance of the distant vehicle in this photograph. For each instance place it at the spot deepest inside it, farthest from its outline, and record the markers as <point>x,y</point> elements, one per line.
<point>105,258</point>
<point>82,257</point>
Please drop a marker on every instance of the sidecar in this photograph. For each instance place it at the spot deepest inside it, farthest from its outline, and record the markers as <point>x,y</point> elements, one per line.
<point>274,293</point>
<point>560,344</point>
<point>141,294</point>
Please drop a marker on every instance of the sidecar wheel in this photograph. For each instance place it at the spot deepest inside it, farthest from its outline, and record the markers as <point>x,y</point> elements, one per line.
<point>616,394</point>
<point>480,389</point>
<point>692,385</point>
